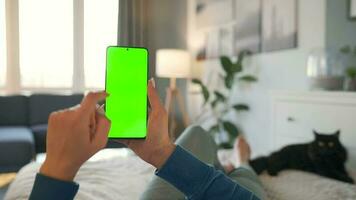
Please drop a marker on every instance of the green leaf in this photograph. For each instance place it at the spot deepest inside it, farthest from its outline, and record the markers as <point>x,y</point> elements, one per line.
<point>345,49</point>
<point>351,72</point>
<point>226,145</point>
<point>219,96</point>
<point>241,107</point>
<point>248,78</point>
<point>197,81</point>
<point>237,67</point>
<point>226,64</point>
<point>204,89</point>
<point>229,80</point>
<point>214,103</point>
<point>214,129</point>
<point>231,129</point>
<point>206,93</point>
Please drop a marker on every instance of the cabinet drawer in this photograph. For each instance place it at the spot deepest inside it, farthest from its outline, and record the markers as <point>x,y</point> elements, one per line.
<point>297,120</point>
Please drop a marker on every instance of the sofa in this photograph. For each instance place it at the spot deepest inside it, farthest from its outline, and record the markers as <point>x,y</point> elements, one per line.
<point>23,126</point>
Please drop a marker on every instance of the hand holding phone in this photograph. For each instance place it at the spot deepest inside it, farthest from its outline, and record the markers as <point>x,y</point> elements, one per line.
<point>157,147</point>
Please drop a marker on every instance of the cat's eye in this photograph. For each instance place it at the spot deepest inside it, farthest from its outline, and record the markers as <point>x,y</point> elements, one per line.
<point>331,144</point>
<point>321,144</point>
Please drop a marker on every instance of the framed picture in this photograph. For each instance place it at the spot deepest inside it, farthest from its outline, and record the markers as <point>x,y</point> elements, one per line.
<point>213,13</point>
<point>247,26</point>
<point>352,7</point>
<point>279,25</point>
<point>230,26</point>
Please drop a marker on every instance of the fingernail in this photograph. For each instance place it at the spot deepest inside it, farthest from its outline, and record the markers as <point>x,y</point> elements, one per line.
<point>100,110</point>
<point>153,82</point>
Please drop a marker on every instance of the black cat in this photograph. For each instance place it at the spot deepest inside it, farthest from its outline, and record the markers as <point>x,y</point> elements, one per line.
<point>324,156</point>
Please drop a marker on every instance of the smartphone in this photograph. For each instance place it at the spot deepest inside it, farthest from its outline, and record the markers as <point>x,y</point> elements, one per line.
<point>126,82</point>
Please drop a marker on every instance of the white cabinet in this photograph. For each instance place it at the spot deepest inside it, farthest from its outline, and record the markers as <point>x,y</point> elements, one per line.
<point>296,114</point>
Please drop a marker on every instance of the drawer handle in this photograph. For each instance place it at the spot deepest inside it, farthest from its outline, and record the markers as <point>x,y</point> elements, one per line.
<point>290,119</point>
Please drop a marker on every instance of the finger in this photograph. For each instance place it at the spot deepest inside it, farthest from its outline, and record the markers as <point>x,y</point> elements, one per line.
<point>91,99</point>
<point>153,96</point>
<point>76,107</point>
<point>92,123</point>
<point>100,110</point>
<point>99,113</point>
<point>101,135</point>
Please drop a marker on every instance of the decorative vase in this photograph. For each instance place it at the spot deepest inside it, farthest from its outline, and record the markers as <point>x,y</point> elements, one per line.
<point>325,70</point>
<point>350,84</point>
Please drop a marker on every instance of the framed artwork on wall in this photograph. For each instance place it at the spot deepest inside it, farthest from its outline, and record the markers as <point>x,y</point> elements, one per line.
<point>231,26</point>
<point>212,13</point>
<point>279,25</point>
<point>247,26</point>
<point>352,9</point>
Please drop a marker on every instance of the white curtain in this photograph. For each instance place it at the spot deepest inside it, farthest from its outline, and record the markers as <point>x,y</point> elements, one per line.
<point>12,84</point>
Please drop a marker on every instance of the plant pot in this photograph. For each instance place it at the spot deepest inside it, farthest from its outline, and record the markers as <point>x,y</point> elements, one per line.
<point>327,83</point>
<point>350,84</point>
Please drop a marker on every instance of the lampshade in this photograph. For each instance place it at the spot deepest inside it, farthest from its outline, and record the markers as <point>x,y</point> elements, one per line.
<point>172,63</point>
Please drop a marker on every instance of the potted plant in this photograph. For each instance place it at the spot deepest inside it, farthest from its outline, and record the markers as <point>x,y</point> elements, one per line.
<point>220,102</point>
<point>350,83</point>
<point>350,72</point>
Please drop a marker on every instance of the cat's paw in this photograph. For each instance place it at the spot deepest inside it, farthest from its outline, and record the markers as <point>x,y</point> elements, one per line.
<point>349,180</point>
<point>346,179</point>
<point>272,172</point>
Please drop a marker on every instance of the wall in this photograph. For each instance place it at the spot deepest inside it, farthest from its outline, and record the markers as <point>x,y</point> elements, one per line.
<point>282,70</point>
<point>166,28</point>
<point>339,29</point>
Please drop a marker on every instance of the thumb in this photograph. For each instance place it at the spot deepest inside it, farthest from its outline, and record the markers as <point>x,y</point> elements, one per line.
<point>153,96</point>
<point>101,134</point>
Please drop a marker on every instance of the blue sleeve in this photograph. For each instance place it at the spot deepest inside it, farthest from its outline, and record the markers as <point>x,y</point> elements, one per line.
<point>49,188</point>
<point>198,180</point>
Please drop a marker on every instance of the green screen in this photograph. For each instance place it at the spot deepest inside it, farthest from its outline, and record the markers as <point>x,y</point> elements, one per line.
<point>126,83</point>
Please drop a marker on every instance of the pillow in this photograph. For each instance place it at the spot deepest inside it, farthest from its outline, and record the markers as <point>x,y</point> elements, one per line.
<point>41,105</point>
<point>13,110</point>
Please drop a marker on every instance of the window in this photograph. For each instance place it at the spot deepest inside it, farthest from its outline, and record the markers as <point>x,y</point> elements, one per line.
<point>100,31</point>
<point>2,43</point>
<point>46,43</point>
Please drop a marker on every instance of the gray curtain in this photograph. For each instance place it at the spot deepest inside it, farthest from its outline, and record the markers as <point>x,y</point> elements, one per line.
<point>132,23</point>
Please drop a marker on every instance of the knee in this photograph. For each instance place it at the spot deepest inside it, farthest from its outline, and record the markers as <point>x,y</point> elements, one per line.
<point>193,132</point>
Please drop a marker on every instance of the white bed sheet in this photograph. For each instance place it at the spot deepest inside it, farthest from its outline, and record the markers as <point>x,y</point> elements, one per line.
<point>298,185</point>
<point>112,179</point>
<point>126,177</point>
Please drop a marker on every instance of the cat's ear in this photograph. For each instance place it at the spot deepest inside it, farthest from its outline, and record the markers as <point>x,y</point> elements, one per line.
<point>337,133</point>
<point>316,134</point>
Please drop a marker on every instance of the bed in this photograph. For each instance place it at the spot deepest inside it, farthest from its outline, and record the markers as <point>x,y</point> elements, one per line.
<point>124,176</point>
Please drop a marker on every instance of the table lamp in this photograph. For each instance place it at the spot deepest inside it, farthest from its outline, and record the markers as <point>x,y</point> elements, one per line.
<point>173,64</point>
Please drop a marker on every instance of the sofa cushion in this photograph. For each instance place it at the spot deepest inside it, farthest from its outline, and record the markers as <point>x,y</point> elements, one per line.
<point>13,110</point>
<point>39,133</point>
<point>16,148</point>
<point>41,105</point>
